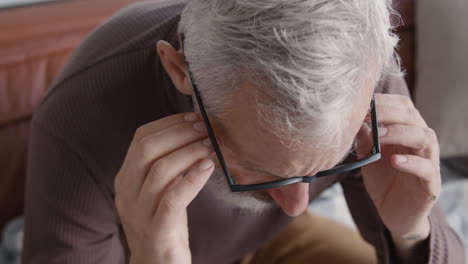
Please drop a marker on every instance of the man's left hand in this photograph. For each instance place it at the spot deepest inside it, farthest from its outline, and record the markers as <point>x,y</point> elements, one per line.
<point>405,183</point>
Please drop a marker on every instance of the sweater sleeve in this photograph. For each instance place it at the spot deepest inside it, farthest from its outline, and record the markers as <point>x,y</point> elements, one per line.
<point>69,218</point>
<point>445,246</point>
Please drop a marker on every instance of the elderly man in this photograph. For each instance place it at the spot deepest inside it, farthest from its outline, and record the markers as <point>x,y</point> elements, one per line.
<point>222,120</point>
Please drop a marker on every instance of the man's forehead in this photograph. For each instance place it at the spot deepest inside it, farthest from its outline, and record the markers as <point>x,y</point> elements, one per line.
<point>266,154</point>
<point>255,147</point>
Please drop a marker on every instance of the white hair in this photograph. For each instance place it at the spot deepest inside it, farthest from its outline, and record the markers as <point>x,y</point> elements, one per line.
<point>309,58</point>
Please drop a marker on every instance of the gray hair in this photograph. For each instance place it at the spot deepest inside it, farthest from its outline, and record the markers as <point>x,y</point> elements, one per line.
<point>309,58</point>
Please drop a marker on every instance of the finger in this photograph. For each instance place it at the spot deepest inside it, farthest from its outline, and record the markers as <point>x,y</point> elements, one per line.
<point>176,199</point>
<point>364,141</point>
<point>157,145</point>
<point>391,115</point>
<point>153,147</point>
<point>182,194</point>
<point>394,99</point>
<point>420,139</point>
<point>145,130</point>
<point>425,169</point>
<point>166,169</point>
<point>169,134</point>
<point>165,123</point>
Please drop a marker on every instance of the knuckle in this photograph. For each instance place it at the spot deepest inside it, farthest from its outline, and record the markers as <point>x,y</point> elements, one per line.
<point>193,148</point>
<point>396,130</point>
<point>140,132</point>
<point>436,165</point>
<point>431,134</point>
<point>169,203</point>
<point>383,108</point>
<point>416,113</point>
<point>436,169</point>
<point>118,191</point>
<point>159,167</point>
<point>419,145</point>
<point>412,113</point>
<point>417,163</point>
<point>191,182</point>
<point>119,204</point>
<point>119,178</point>
<point>117,183</point>
<point>406,100</point>
<point>145,147</point>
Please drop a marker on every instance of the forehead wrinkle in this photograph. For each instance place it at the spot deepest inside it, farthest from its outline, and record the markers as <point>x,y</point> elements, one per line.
<point>250,167</point>
<point>227,138</point>
<point>235,148</point>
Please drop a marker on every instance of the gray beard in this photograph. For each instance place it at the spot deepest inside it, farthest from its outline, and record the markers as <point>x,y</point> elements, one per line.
<point>255,201</point>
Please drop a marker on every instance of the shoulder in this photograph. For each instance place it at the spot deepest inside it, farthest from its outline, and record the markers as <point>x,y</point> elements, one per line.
<point>118,55</point>
<point>112,84</point>
<point>135,27</point>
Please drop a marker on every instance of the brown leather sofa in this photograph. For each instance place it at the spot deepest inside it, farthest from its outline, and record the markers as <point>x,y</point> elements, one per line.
<point>35,43</point>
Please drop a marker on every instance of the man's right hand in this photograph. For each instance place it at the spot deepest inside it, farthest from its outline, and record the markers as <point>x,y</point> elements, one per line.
<point>167,164</point>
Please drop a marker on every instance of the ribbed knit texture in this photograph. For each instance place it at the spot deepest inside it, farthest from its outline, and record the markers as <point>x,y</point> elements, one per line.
<point>113,84</point>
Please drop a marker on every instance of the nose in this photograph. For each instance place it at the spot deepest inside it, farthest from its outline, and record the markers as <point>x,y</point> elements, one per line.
<point>293,199</point>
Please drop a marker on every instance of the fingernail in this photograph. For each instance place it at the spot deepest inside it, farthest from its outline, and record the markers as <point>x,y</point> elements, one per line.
<point>190,117</point>
<point>401,159</point>
<point>207,142</point>
<point>382,131</point>
<point>199,126</point>
<point>205,165</point>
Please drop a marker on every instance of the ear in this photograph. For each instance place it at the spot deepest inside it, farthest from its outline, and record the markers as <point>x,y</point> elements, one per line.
<point>174,64</point>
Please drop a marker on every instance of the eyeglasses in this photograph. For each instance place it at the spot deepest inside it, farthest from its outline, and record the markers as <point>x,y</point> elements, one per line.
<point>235,187</point>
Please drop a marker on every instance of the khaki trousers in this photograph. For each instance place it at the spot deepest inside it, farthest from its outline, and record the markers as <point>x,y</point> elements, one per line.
<point>314,240</point>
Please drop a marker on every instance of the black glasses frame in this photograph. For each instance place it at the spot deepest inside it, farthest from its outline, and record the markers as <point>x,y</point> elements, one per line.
<point>235,187</point>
